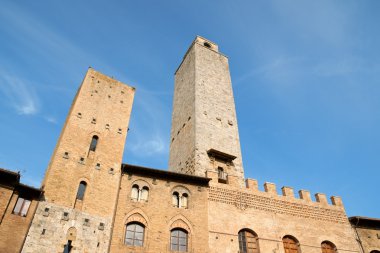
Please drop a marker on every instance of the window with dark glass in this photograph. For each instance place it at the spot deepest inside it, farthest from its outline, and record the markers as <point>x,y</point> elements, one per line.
<point>134,235</point>
<point>94,142</point>
<point>22,206</point>
<point>248,242</point>
<point>178,240</point>
<point>81,190</point>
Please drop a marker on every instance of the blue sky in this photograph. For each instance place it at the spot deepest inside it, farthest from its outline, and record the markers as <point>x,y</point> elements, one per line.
<point>305,76</point>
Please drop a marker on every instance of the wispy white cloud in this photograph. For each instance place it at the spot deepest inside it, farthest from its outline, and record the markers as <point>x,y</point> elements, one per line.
<point>19,94</point>
<point>149,145</point>
<point>51,119</point>
<point>149,126</point>
<point>280,69</point>
<point>344,67</point>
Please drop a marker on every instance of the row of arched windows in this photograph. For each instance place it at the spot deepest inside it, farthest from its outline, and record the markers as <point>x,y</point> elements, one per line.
<point>248,243</point>
<point>135,231</point>
<point>140,193</point>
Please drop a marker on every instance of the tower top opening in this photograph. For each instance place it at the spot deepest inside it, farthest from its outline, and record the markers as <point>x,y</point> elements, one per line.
<point>206,43</point>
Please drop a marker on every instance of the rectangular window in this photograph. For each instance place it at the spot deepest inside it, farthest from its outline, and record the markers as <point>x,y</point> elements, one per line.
<point>22,206</point>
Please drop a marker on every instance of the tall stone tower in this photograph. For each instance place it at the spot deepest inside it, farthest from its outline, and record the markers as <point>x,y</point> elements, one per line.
<point>204,134</point>
<point>82,180</point>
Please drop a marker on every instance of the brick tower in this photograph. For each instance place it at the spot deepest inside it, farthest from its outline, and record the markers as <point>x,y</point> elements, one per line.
<point>204,134</point>
<point>82,180</point>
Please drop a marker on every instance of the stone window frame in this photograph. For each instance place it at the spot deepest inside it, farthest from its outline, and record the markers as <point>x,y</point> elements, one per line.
<point>94,143</point>
<point>78,203</point>
<point>136,216</point>
<point>142,188</point>
<point>178,229</point>
<point>180,195</point>
<point>222,175</point>
<point>180,222</point>
<point>81,192</point>
<point>136,223</point>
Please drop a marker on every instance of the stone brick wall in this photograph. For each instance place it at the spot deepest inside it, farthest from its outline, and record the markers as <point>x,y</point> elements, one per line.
<point>159,215</point>
<point>102,107</point>
<point>203,90</point>
<point>370,238</point>
<point>5,197</point>
<point>182,135</point>
<point>13,228</point>
<point>215,110</point>
<point>272,217</point>
<point>50,231</point>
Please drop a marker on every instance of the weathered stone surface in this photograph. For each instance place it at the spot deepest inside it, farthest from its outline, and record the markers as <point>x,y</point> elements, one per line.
<point>101,108</point>
<point>49,233</point>
<point>204,114</point>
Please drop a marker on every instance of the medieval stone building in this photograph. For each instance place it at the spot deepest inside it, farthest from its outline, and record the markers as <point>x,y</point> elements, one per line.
<point>91,202</point>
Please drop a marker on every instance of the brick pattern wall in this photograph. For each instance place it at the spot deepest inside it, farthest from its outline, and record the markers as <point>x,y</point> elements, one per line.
<point>370,238</point>
<point>13,228</point>
<point>102,107</point>
<point>272,217</point>
<point>5,197</point>
<point>299,208</point>
<point>159,215</point>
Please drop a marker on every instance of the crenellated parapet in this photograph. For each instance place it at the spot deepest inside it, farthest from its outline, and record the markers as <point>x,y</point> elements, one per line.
<point>288,192</point>
<point>285,204</point>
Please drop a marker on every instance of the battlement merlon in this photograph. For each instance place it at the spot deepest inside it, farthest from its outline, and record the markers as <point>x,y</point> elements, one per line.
<point>287,192</point>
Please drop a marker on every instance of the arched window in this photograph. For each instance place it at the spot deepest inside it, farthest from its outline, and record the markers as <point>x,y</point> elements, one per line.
<point>175,199</point>
<point>184,200</point>
<point>248,242</point>
<point>291,244</point>
<point>328,247</point>
<point>178,240</point>
<point>135,192</point>
<point>94,142</point>
<point>144,193</point>
<point>134,234</point>
<point>375,251</point>
<point>81,190</point>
